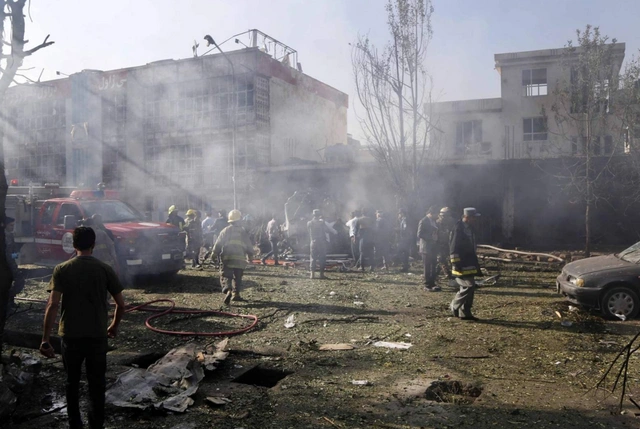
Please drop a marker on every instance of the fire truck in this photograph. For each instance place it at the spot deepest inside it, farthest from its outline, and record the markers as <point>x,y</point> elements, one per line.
<point>47,215</point>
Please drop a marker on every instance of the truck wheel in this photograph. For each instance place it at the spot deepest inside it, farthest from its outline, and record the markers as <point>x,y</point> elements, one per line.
<point>620,303</point>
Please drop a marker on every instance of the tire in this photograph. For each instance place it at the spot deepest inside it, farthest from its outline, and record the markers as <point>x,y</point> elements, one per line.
<point>620,301</point>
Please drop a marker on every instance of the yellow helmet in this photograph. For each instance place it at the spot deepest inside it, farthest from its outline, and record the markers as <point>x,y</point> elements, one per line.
<point>191,212</point>
<point>173,209</point>
<point>234,216</point>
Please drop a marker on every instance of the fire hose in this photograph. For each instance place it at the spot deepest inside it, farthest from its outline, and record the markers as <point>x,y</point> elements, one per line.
<point>160,312</point>
<point>519,252</point>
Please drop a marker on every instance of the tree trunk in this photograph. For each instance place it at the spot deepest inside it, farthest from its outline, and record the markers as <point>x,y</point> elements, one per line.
<point>6,278</point>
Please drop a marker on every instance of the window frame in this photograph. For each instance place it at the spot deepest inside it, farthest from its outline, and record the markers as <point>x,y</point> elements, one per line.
<point>532,86</point>
<point>533,134</point>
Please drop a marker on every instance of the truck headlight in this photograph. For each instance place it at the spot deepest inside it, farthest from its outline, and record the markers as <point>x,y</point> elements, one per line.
<point>577,281</point>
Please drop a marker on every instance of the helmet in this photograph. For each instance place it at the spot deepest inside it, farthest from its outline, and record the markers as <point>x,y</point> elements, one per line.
<point>234,216</point>
<point>173,209</point>
<point>191,212</point>
<point>444,210</point>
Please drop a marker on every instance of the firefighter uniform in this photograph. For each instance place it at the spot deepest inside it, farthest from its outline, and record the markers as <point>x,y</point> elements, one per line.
<point>193,228</point>
<point>465,265</point>
<point>445,224</point>
<point>318,231</point>
<point>234,247</point>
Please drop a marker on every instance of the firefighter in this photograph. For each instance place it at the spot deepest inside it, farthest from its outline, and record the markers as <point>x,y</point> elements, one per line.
<point>464,264</point>
<point>193,228</point>
<point>318,231</point>
<point>174,218</point>
<point>428,236</point>
<point>11,256</point>
<point>445,223</point>
<point>234,248</point>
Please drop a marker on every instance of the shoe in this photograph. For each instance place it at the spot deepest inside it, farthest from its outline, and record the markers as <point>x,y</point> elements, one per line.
<point>227,298</point>
<point>427,289</point>
<point>277,263</point>
<point>436,289</point>
<point>312,276</point>
<point>472,318</point>
<point>455,313</point>
<point>322,277</point>
<point>263,261</point>
<point>236,297</point>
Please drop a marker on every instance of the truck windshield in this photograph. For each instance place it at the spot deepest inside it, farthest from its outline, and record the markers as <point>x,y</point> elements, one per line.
<point>632,254</point>
<point>111,211</point>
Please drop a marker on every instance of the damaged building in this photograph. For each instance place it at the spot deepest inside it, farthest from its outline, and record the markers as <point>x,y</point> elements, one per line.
<point>499,151</point>
<point>164,133</point>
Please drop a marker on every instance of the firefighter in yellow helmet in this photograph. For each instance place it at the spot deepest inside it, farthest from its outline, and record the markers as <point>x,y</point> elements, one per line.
<point>234,247</point>
<point>175,218</point>
<point>193,228</point>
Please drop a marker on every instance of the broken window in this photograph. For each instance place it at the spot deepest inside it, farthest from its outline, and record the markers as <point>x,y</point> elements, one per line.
<point>534,129</point>
<point>534,82</point>
<point>468,133</point>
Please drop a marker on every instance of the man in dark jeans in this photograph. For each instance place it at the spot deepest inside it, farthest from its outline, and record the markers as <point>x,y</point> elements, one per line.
<point>428,236</point>
<point>81,285</point>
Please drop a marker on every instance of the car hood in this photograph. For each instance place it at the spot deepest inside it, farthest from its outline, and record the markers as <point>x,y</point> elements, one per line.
<point>125,228</point>
<point>596,264</point>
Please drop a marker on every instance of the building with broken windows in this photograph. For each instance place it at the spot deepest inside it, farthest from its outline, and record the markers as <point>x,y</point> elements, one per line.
<point>164,133</point>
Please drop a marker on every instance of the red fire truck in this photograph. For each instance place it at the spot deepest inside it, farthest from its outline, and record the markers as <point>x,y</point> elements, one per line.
<point>45,221</point>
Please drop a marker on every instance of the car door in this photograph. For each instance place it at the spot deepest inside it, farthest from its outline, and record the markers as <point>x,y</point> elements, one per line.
<point>44,231</point>
<point>61,238</point>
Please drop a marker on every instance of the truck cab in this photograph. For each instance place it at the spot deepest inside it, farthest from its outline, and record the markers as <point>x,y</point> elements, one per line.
<point>142,247</point>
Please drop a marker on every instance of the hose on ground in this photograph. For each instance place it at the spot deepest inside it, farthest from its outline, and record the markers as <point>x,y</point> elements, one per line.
<point>519,252</point>
<point>160,312</point>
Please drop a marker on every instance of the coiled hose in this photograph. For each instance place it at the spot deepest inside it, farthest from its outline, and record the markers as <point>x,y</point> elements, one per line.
<point>160,312</point>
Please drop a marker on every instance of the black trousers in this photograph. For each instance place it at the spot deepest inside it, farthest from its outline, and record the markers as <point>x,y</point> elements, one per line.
<point>355,251</point>
<point>430,262</point>
<point>366,253</point>
<point>93,352</point>
<point>404,248</point>
<point>274,250</point>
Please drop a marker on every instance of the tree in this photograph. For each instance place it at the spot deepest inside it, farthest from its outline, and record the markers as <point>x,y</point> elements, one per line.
<point>393,86</point>
<point>584,127</point>
<point>12,29</point>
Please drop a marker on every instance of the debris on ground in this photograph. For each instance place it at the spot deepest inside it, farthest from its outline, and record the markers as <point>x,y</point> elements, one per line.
<point>341,346</point>
<point>218,400</point>
<point>390,345</point>
<point>361,382</point>
<point>167,384</point>
<point>290,322</point>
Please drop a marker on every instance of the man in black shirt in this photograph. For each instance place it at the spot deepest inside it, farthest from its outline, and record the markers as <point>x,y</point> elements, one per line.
<point>81,284</point>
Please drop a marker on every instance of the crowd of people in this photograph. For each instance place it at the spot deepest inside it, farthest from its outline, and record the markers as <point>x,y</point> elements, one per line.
<point>91,276</point>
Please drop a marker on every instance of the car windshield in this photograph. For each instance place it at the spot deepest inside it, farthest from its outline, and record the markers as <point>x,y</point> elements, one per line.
<point>632,254</point>
<point>111,211</point>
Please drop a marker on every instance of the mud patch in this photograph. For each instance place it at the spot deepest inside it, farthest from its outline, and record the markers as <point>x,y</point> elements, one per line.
<point>453,392</point>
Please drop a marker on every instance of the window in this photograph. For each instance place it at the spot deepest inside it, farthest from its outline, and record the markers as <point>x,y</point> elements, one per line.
<point>47,213</point>
<point>534,82</point>
<point>68,210</point>
<point>467,134</point>
<point>534,129</point>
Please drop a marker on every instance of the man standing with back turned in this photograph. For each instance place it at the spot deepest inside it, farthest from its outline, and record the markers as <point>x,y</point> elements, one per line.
<point>464,264</point>
<point>81,285</point>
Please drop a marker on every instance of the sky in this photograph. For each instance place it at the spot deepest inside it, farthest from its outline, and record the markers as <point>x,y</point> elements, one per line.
<point>92,34</point>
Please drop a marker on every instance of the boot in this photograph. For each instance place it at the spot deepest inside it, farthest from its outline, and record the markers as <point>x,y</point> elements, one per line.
<point>227,298</point>
<point>313,275</point>
<point>235,296</point>
<point>322,275</point>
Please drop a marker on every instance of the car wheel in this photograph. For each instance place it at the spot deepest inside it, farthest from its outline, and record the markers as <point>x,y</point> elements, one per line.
<point>620,302</point>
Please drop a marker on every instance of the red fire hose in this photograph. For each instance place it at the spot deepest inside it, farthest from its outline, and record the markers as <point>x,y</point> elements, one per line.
<point>172,310</point>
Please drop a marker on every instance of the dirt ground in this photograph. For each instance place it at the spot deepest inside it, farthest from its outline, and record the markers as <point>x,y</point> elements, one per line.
<point>516,367</point>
